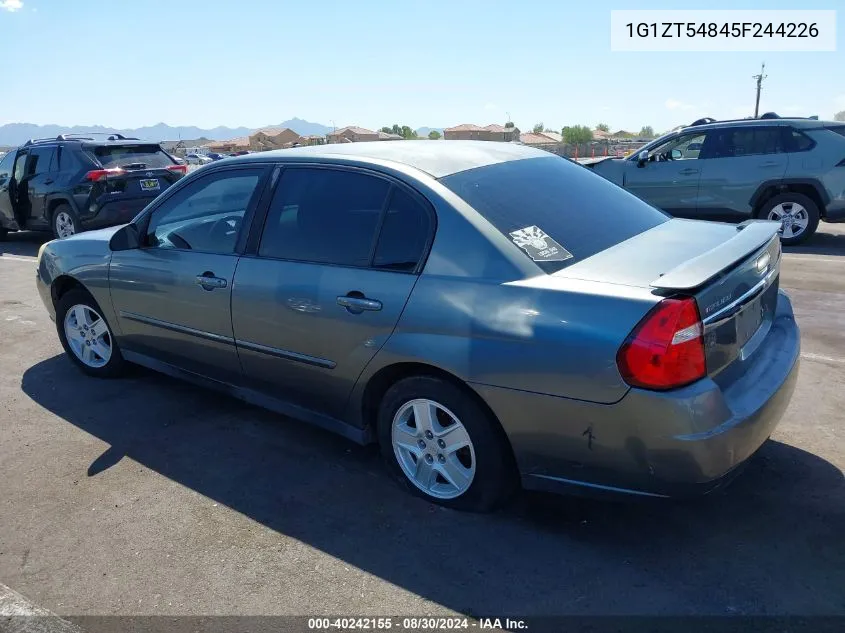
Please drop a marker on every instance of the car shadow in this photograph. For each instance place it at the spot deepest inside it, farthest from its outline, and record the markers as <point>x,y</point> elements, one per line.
<point>822,243</point>
<point>771,542</point>
<point>23,243</point>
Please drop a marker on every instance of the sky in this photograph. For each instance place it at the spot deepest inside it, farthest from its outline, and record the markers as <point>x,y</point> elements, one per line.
<point>371,63</point>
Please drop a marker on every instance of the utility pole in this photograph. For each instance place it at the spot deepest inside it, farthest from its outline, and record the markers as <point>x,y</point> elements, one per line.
<point>759,79</point>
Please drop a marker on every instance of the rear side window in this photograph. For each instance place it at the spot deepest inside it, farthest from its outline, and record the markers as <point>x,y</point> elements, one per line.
<point>404,233</point>
<point>324,216</point>
<point>556,211</point>
<point>745,141</point>
<point>132,156</point>
<point>797,141</point>
<point>839,129</point>
<point>39,160</point>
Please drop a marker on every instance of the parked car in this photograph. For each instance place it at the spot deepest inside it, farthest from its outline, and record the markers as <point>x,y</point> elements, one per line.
<point>216,156</point>
<point>197,159</point>
<point>74,183</point>
<point>451,302</point>
<point>788,170</point>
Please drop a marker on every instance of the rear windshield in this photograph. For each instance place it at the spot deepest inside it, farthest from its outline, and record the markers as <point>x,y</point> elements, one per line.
<point>839,129</point>
<point>150,156</point>
<point>556,211</point>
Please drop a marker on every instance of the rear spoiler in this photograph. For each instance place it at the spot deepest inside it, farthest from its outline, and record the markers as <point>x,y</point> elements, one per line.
<point>751,235</point>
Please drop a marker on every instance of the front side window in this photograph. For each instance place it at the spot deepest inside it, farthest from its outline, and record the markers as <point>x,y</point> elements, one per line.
<point>324,216</point>
<point>205,215</point>
<point>20,163</point>
<point>683,147</point>
<point>6,166</point>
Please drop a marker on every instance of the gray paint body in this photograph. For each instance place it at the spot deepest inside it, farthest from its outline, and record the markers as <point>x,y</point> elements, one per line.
<point>538,349</point>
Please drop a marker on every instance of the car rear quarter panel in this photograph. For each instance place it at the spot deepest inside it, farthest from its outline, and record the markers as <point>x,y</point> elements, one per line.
<point>484,312</point>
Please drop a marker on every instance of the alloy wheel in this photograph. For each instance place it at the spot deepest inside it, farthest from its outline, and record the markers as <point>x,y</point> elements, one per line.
<point>793,218</point>
<point>64,224</point>
<point>433,449</point>
<point>88,335</point>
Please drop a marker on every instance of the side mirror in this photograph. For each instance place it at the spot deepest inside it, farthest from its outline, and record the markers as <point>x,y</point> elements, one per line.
<point>677,154</point>
<point>125,238</point>
<point>642,158</point>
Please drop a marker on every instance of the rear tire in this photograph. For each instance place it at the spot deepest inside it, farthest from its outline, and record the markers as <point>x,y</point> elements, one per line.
<point>64,222</point>
<point>459,459</point>
<point>87,337</point>
<point>798,214</point>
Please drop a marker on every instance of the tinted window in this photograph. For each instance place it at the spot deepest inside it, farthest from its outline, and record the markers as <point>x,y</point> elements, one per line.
<point>579,210</point>
<point>688,144</point>
<point>745,141</point>
<point>19,165</point>
<point>6,166</point>
<point>150,156</point>
<point>324,216</point>
<point>798,142</point>
<point>404,233</point>
<point>839,129</point>
<point>205,215</point>
<point>39,160</point>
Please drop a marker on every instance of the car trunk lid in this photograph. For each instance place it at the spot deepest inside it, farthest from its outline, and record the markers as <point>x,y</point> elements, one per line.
<point>730,270</point>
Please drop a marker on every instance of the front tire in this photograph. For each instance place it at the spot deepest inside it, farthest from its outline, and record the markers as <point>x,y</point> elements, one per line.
<point>441,444</point>
<point>798,215</point>
<point>64,222</point>
<point>86,336</point>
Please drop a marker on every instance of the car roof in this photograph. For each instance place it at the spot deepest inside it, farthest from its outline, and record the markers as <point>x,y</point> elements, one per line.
<point>794,122</point>
<point>436,158</point>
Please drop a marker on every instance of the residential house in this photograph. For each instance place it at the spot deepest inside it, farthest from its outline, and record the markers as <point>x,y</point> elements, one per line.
<point>312,139</point>
<point>231,145</point>
<point>388,136</point>
<point>273,138</point>
<point>184,147</point>
<point>351,134</point>
<point>471,132</point>
<point>542,141</point>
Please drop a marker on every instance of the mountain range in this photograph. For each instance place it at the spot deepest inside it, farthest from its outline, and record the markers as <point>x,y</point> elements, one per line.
<point>18,133</point>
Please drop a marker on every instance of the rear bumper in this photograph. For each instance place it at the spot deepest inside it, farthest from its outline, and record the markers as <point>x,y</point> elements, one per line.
<point>114,212</point>
<point>685,442</point>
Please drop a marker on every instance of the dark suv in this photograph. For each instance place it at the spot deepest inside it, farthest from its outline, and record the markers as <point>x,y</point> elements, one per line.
<point>73,183</point>
<point>789,170</point>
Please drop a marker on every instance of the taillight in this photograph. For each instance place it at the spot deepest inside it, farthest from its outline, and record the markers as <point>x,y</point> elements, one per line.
<point>666,349</point>
<point>101,174</point>
<point>183,169</point>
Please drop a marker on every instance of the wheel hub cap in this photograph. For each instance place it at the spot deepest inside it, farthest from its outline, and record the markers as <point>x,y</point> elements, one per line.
<point>792,216</point>
<point>433,449</point>
<point>88,336</point>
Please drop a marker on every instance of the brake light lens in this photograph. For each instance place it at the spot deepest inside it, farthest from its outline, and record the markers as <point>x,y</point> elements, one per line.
<point>666,349</point>
<point>182,169</point>
<point>96,175</point>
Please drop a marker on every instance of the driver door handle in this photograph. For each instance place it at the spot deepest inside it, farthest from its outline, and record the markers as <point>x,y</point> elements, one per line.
<point>359,304</point>
<point>209,282</point>
<point>689,171</point>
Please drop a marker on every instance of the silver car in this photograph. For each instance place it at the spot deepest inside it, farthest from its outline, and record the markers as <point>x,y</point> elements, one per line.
<point>490,314</point>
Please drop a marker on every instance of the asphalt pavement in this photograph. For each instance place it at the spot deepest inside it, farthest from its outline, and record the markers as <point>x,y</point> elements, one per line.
<point>149,496</point>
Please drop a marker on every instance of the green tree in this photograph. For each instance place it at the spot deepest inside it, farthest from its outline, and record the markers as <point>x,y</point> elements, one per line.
<point>647,132</point>
<point>407,132</point>
<point>839,116</point>
<point>509,124</point>
<point>387,130</point>
<point>577,134</point>
<point>538,127</point>
<point>434,135</point>
<point>603,127</point>
<point>396,129</point>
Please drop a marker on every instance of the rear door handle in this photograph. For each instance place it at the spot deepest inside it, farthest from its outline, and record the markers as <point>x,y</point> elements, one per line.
<point>356,305</point>
<point>688,171</point>
<point>49,181</point>
<point>209,282</point>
